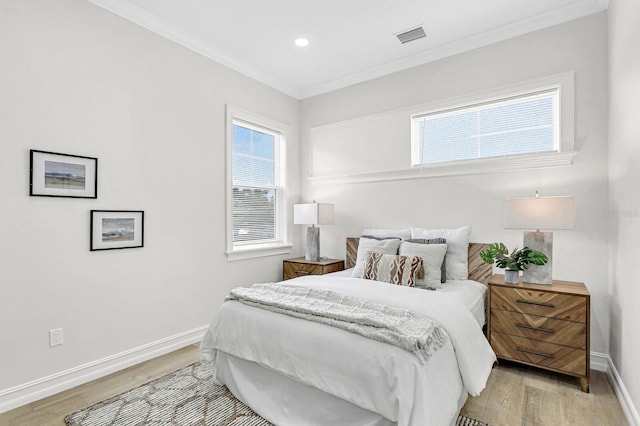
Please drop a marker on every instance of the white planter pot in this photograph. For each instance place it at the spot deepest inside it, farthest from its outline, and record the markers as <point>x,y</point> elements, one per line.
<point>511,277</point>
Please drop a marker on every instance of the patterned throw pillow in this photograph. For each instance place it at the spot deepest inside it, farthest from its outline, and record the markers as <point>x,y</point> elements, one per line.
<point>394,269</point>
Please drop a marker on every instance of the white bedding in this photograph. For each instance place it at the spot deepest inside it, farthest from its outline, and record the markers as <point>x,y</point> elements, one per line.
<point>380,378</point>
<point>472,293</point>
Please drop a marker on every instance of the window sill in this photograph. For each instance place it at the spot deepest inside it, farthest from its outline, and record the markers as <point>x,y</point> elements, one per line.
<point>471,167</point>
<point>251,252</point>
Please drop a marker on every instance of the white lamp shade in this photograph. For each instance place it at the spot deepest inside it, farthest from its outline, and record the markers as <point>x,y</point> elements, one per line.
<point>313,214</point>
<point>538,213</point>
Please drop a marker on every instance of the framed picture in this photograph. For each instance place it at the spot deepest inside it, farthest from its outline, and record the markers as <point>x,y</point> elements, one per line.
<point>63,175</point>
<point>116,229</point>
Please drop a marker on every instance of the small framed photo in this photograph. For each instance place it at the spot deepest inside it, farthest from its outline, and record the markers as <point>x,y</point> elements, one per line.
<point>116,229</point>
<point>63,175</point>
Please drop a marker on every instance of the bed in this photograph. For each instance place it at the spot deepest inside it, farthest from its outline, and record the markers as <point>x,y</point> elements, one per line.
<point>295,372</point>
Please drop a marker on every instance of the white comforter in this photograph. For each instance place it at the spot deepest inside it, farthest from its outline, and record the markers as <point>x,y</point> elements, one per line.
<point>372,375</point>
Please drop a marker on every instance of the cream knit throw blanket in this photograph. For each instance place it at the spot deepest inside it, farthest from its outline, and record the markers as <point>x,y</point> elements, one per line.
<point>389,324</point>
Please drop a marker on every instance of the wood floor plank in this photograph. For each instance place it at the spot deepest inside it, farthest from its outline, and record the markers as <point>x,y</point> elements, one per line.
<point>541,404</point>
<point>606,400</point>
<point>475,407</point>
<point>599,407</point>
<point>547,399</point>
<point>541,408</point>
<point>505,399</point>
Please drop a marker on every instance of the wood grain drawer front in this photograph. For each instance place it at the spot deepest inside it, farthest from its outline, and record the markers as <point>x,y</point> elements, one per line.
<point>568,333</point>
<point>562,358</point>
<point>542,303</point>
<point>334,267</point>
<point>293,270</point>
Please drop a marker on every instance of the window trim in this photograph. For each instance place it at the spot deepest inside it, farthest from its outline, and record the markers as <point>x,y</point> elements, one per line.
<point>562,83</point>
<point>417,147</point>
<point>564,158</point>
<point>260,123</point>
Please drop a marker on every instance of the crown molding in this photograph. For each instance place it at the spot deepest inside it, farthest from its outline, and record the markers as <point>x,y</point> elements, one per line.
<point>141,17</point>
<point>151,22</point>
<point>573,11</point>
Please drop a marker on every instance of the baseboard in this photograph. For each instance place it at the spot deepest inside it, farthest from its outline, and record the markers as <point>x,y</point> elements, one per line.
<point>46,386</point>
<point>600,362</point>
<point>630,411</point>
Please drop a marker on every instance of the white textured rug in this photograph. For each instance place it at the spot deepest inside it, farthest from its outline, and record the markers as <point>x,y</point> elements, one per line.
<point>185,397</point>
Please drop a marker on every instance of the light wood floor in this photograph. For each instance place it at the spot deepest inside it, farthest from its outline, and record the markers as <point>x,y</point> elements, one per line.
<point>514,396</point>
<point>521,395</point>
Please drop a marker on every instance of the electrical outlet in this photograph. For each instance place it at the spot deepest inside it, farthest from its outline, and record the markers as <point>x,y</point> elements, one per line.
<point>55,337</point>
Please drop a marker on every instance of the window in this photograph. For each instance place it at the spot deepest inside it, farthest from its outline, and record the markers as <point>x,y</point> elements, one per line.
<point>255,212</point>
<point>521,124</point>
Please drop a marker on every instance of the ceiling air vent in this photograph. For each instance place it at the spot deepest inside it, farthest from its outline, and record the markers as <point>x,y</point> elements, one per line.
<point>411,35</point>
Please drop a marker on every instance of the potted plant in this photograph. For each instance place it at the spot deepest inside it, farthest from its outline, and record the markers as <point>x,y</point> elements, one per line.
<point>512,263</point>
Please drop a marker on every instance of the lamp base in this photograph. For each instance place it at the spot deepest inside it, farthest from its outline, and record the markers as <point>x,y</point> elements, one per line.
<point>313,244</point>
<point>542,242</point>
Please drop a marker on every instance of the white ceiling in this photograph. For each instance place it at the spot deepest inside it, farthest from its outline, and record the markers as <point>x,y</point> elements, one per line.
<point>349,40</point>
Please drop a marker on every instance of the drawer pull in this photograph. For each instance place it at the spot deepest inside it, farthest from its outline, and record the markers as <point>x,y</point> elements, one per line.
<point>301,272</point>
<point>528,327</point>
<point>544,305</point>
<point>550,356</point>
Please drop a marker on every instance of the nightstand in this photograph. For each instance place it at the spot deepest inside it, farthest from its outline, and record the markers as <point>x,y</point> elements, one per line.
<point>545,326</point>
<point>299,267</point>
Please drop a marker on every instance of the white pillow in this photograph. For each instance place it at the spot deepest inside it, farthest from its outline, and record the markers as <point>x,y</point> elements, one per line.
<point>403,234</point>
<point>457,248</point>
<point>367,245</point>
<point>432,257</point>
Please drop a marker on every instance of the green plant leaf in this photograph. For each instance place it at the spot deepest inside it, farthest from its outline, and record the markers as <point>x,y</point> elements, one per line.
<point>518,260</point>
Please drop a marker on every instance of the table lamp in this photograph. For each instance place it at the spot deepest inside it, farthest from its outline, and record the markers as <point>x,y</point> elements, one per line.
<point>313,214</point>
<point>539,213</point>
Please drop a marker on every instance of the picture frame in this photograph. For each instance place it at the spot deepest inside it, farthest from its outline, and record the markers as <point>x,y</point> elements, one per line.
<point>116,229</point>
<point>54,174</point>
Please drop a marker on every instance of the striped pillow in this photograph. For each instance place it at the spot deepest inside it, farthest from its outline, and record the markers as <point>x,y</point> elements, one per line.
<point>368,245</point>
<point>457,248</point>
<point>394,269</point>
<point>443,268</point>
<point>432,256</point>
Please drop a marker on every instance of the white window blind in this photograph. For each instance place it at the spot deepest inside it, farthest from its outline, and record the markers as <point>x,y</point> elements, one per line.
<point>512,125</point>
<point>256,185</point>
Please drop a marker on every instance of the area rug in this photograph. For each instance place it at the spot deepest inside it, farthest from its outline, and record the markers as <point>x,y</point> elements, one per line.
<point>185,397</point>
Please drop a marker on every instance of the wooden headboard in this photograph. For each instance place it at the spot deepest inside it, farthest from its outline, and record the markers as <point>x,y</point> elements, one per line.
<point>478,269</point>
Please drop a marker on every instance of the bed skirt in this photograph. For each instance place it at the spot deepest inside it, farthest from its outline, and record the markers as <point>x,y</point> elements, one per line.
<point>284,401</point>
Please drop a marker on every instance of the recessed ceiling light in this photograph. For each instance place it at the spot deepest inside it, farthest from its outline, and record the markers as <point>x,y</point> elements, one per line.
<point>301,42</point>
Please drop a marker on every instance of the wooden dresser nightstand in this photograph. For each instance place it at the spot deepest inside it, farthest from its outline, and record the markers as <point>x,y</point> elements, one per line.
<point>299,267</point>
<point>546,326</point>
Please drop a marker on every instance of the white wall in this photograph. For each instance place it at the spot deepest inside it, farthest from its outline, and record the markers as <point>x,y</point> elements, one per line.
<point>624,192</point>
<point>580,254</point>
<point>77,79</point>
